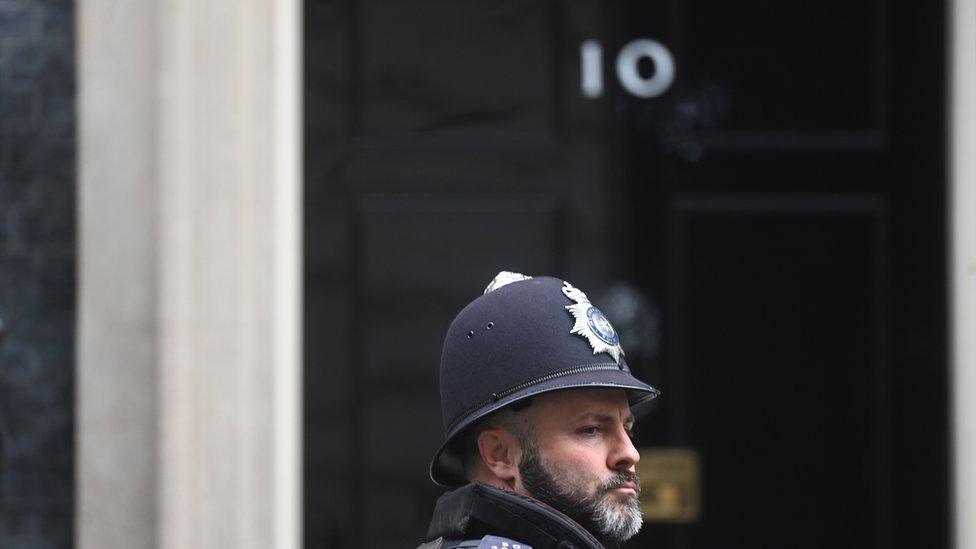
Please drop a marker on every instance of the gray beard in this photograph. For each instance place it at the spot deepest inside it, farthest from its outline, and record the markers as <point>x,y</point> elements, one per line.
<point>601,513</point>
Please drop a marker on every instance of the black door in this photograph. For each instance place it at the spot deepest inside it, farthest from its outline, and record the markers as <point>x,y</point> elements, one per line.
<point>789,193</point>
<point>778,212</point>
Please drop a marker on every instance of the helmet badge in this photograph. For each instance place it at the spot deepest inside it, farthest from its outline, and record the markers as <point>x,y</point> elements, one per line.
<point>503,279</point>
<point>591,323</point>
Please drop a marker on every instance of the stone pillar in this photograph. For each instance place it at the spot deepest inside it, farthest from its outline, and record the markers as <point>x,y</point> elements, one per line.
<point>189,308</point>
<point>962,237</point>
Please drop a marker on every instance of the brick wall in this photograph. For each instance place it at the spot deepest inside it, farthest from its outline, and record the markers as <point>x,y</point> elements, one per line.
<point>37,272</point>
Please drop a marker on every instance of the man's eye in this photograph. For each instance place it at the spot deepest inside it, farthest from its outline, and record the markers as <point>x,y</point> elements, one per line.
<point>589,430</point>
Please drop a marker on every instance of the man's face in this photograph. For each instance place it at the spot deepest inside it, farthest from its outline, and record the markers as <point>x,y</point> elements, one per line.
<point>579,458</point>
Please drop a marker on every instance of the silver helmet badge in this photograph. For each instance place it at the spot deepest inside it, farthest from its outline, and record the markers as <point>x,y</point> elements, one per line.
<point>592,324</point>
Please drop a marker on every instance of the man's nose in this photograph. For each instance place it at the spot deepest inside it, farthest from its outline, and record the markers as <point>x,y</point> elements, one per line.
<point>623,456</point>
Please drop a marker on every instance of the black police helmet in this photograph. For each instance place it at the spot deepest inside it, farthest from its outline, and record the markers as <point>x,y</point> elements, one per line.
<point>525,336</point>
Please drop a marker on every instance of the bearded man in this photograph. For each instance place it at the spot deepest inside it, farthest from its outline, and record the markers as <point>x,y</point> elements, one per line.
<point>537,404</point>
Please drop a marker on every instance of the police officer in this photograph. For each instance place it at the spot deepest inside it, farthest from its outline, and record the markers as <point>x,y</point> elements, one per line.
<point>536,398</point>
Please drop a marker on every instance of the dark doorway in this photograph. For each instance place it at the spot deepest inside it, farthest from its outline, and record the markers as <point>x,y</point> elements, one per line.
<point>778,212</point>
<point>792,190</point>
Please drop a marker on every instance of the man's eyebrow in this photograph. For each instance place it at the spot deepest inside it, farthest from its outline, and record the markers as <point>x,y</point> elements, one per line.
<point>605,418</point>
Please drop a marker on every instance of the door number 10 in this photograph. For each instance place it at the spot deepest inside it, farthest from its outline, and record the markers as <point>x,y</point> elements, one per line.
<point>591,68</point>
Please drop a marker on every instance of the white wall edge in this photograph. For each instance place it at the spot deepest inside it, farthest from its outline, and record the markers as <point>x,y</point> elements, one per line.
<point>961,122</point>
<point>288,275</point>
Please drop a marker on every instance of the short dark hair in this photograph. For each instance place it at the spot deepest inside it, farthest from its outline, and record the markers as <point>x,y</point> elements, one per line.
<point>509,418</point>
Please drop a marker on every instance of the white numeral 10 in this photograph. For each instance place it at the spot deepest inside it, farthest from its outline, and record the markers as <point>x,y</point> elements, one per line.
<point>591,68</point>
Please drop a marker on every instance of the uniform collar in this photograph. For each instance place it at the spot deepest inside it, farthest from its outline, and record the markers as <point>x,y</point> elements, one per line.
<point>476,510</point>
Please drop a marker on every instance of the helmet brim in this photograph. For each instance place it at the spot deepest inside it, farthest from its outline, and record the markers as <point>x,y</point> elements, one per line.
<point>446,468</point>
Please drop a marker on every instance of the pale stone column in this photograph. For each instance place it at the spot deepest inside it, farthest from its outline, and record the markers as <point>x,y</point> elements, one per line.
<point>962,234</point>
<point>189,390</point>
<point>117,335</point>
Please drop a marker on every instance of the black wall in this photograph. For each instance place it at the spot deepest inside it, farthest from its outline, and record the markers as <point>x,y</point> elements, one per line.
<point>37,272</point>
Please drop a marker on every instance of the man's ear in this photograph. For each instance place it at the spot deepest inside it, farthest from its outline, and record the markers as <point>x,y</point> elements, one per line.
<point>500,453</point>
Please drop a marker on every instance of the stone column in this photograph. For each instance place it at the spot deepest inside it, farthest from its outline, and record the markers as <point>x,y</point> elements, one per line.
<point>962,237</point>
<point>188,332</point>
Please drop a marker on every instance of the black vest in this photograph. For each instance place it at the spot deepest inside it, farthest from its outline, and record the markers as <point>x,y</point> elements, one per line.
<point>464,516</point>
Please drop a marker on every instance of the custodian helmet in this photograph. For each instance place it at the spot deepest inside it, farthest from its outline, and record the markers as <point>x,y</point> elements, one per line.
<point>523,337</point>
